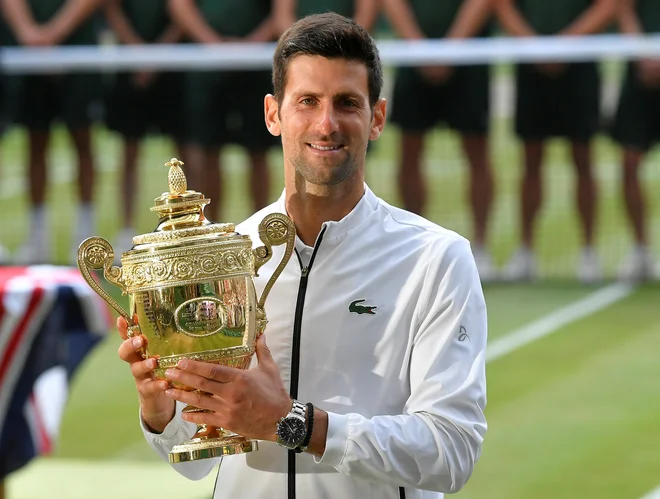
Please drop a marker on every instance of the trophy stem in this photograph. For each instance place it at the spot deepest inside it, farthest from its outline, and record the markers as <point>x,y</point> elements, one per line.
<point>209,442</point>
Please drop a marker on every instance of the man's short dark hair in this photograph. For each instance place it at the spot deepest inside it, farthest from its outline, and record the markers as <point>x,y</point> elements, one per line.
<point>334,37</point>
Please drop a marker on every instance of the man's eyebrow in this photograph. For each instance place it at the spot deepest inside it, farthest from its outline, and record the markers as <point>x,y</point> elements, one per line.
<point>337,96</point>
<point>304,93</point>
<point>348,95</point>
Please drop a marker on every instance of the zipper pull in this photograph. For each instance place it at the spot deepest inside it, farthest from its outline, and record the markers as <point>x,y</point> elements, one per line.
<point>305,271</point>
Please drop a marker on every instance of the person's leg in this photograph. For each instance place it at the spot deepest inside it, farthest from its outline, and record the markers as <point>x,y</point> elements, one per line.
<point>586,188</point>
<point>531,189</point>
<point>417,106</point>
<point>34,109</point>
<point>212,180</point>
<point>124,239</point>
<point>36,248</point>
<point>129,180</point>
<point>206,132</point>
<point>522,265</point>
<point>635,129</point>
<point>580,121</point>
<point>259,178</point>
<point>638,265</point>
<point>475,148</point>
<point>38,145</point>
<point>633,195</point>
<point>76,96</point>
<point>83,145</point>
<point>181,148</point>
<point>412,187</point>
<point>535,123</point>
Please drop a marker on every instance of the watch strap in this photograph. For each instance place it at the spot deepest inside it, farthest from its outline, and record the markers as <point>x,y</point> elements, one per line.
<point>298,409</point>
<point>310,428</point>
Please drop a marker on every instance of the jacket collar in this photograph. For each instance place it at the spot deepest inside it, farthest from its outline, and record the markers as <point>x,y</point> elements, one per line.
<point>340,229</point>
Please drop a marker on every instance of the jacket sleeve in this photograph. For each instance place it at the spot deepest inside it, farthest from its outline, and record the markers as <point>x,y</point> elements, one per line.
<point>436,442</point>
<point>176,432</point>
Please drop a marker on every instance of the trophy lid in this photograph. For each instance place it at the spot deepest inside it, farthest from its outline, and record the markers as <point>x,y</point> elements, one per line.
<point>181,213</point>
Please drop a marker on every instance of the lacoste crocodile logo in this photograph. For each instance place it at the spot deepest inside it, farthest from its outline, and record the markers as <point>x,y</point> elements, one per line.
<point>361,309</point>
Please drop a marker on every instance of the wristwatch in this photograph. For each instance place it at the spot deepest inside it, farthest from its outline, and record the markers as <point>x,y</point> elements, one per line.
<point>292,428</point>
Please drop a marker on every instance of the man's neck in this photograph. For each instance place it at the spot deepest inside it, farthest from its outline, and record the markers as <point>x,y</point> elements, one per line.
<point>309,210</point>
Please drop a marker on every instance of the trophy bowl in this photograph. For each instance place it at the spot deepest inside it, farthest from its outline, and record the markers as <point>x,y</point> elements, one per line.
<point>191,294</point>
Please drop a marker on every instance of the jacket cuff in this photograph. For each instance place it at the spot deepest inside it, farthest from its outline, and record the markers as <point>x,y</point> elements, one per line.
<point>336,443</point>
<point>170,430</point>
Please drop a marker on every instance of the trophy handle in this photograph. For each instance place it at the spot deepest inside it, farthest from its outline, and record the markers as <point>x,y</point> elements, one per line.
<point>96,253</point>
<point>274,229</point>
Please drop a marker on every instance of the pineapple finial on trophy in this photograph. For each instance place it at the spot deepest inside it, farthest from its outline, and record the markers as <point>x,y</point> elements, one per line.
<point>176,177</point>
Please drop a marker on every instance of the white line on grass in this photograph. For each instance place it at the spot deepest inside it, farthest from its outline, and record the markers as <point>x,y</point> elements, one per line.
<point>654,494</point>
<point>556,320</point>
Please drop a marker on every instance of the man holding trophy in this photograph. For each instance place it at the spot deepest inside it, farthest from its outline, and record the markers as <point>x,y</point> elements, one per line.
<point>373,381</point>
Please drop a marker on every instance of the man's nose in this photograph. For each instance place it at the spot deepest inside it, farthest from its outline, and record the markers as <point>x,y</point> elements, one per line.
<point>327,120</point>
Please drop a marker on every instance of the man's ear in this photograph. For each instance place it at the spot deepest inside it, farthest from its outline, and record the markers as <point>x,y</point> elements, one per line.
<point>271,114</point>
<point>378,123</point>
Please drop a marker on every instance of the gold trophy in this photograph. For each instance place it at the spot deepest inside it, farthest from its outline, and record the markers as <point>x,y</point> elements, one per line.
<point>191,293</point>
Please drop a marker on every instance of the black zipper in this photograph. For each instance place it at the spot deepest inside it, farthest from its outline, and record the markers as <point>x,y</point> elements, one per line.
<point>295,351</point>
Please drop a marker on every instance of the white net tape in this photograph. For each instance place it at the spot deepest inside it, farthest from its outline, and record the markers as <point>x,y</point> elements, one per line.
<point>235,56</point>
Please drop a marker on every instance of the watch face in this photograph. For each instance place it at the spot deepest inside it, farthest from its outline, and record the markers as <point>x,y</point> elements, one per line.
<point>292,431</point>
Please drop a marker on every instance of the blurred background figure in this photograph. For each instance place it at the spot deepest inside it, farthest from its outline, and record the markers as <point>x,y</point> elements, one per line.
<point>42,99</point>
<point>556,100</point>
<point>144,101</point>
<point>226,107</point>
<point>5,256</point>
<point>363,12</point>
<point>636,128</point>
<point>454,96</point>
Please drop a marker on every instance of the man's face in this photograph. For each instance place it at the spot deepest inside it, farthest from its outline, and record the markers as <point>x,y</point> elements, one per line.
<point>325,119</point>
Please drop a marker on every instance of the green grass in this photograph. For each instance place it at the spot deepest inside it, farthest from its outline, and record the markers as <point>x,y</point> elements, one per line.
<point>573,415</point>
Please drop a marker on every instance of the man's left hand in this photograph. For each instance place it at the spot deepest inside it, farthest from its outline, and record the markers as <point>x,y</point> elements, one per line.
<point>249,402</point>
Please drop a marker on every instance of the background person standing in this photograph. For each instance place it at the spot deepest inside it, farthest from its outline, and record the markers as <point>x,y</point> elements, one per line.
<point>556,100</point>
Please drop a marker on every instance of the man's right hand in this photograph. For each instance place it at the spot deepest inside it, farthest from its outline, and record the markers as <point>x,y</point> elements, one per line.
<point>648,71</point>
<point>33,35</point>
<point>437,74</point>
<point>551,69</point>
<point>157,409</point>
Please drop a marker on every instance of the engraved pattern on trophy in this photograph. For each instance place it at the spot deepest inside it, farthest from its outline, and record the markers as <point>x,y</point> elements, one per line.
<point>156,237</point>
<point>190,264</point>
<point>96,253</point>
<point>274,229</point>
<point>190,288</point>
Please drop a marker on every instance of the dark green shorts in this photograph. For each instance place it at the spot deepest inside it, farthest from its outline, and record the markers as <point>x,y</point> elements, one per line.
<point>462,103</point>
<point>564,106</point>
<point>39,100</point>
<point>637,121</point>
<point>228,108</point>
<point>134,112</point>
<point>3,104</point>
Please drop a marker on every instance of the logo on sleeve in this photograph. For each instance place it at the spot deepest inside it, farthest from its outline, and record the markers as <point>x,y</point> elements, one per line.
<point>462,334</point>
<point>361,309</point>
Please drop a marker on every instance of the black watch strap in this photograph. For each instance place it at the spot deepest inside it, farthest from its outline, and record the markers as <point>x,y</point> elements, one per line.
<point>310,428</point>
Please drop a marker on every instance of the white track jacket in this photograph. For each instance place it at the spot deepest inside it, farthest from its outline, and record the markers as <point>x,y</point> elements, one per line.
<point>404,386</point>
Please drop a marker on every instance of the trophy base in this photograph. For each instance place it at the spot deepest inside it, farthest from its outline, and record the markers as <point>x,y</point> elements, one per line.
<point>222,443</point>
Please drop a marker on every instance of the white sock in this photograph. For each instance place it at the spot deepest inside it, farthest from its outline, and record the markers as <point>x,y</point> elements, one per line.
<point>38,219</point>
<point>85,219</point>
